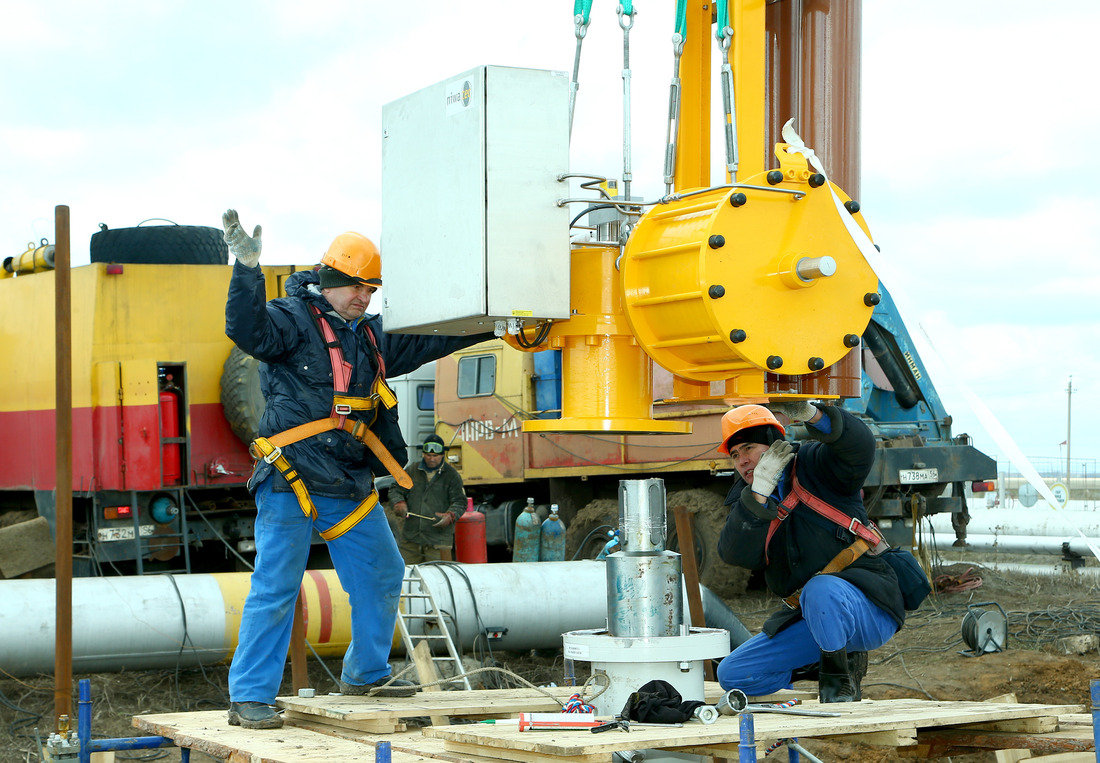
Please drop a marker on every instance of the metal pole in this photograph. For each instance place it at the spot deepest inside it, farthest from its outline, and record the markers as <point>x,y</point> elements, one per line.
<point>63,498</point>
<point>746,740</point>
<point>1069,421</point>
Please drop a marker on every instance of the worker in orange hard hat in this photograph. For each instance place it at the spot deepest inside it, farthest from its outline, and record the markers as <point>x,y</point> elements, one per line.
<point>328,430</point>
<point>796,513</point>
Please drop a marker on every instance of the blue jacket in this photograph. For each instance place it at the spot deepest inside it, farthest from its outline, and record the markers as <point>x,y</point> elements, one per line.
<point>296,378</point>
<point>832,468</point>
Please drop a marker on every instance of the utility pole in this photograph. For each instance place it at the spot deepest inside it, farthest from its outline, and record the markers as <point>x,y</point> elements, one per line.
<point>1069,422</point>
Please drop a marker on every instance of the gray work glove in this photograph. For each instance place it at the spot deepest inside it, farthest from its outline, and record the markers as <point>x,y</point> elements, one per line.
<point>244,248</point>
<point>446,519</point>
<point>766,474</point>
<point>800,410</point>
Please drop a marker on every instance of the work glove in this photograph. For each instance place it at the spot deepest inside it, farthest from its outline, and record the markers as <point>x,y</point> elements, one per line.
<point>401,509</point>
<point>244,248</point>
<point>766,474</point>
<point>800,410</point>
<point>446,519</point>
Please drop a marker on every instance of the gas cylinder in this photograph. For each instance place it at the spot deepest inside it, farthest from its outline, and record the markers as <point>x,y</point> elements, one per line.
<point>171,463</point>
<point>470,545</point>
<point>552,537</point>
<point>525,544</point>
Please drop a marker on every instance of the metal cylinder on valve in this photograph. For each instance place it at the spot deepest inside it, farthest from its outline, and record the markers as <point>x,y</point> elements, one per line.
<point>644,595</point>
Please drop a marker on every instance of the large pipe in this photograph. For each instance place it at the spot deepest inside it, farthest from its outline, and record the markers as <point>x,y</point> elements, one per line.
<point>1035,521</point>
<point>168,621</point>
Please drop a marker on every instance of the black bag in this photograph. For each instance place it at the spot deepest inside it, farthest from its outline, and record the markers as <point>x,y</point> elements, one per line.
<point>658,702</point>
<point>911,578</point>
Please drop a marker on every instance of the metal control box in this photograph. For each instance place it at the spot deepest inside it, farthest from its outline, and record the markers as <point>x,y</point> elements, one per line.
<point>472,231</point>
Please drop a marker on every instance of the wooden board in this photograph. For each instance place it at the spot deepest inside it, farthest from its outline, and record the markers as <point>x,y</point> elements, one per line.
<point>209,732</point>
<point>348,711</point>
<point>856,719</point>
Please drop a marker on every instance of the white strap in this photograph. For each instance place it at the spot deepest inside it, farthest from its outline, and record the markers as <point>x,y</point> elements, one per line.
<point>886,273</point>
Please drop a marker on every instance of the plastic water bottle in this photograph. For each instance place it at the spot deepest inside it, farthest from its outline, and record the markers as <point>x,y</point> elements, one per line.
<point>525,544</point>
<point>552,538</point>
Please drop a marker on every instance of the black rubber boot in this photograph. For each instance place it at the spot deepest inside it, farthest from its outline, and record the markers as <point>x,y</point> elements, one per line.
<point>254,715</point>
<point>806,673</point>
<point>835,684</point>
<point>857,669</point>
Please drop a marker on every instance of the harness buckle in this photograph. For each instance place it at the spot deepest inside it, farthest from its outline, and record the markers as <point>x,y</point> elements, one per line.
<point>852,526</point>
<point>341,409</point>
<point>274,455</point>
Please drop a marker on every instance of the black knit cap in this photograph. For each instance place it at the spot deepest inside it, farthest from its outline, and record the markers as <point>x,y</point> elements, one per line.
<point>765,434</point>
<point>332,278</point>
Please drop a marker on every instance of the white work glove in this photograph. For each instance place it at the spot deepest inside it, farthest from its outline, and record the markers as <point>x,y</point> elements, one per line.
<point>800,410</point>
<point>766,474</point>
<point>245,249</point>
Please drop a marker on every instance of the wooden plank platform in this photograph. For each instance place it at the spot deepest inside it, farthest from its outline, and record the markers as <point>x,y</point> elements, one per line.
<point>328,732</point>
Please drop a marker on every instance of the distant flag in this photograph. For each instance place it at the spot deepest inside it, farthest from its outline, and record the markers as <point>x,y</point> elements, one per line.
<point>1063,442</point>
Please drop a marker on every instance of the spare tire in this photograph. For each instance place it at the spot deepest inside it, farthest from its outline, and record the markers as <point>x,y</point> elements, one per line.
<point>242,400</point>
<point>160,245</point>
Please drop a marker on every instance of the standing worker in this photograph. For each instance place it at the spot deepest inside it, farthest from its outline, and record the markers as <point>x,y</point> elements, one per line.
<point>329,427</point>
<point>836,608</point>
<point>430,507</point>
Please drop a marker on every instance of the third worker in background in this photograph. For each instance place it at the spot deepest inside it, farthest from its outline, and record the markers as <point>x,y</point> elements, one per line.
<point>797,514</point>
<point>431,506</point>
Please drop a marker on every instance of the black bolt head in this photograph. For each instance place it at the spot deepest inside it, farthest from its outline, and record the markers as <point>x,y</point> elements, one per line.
<point>774,177</point>
<point>738,199</point>
<point>717,291</point>
<point>738,335</point>
<point>816,364</point>
<point>816,180</point>
<point>871,298</point>
<point>774,362</point>
<point>717,242</point>
<point>852,206</point>
<point>851,340</point>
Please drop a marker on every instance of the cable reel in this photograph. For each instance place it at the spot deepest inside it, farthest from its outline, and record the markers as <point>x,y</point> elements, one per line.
<point>984,631</point>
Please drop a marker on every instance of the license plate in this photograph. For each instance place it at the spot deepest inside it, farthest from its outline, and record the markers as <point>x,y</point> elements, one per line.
<point>918,476</point>
<point>122,533</point>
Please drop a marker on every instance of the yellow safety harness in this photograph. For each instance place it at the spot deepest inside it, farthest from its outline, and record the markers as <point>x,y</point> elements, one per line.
<point>270,449</point>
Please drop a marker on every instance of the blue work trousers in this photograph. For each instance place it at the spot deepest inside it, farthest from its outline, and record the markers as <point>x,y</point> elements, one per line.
<point>835,615</point>
<point>370,569</point>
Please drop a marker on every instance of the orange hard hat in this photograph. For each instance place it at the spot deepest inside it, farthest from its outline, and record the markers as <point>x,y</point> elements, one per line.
<point>743,417</point>
<point>356,256</point>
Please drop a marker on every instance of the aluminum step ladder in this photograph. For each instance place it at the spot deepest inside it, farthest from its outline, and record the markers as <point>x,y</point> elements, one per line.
<point>415,594</point>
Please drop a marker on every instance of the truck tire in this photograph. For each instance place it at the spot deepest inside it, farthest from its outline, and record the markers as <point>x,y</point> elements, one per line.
<point>242,401</point>
<point>160,245</point>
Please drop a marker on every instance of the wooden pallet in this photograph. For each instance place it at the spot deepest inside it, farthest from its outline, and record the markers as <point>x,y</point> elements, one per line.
<point>328,732</point>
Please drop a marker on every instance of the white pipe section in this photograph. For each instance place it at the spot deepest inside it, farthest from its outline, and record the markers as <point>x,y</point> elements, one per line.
<point>1038,520</point>
<point>1026,544</point>
<point>1050,570</point>
<point>162,621</point>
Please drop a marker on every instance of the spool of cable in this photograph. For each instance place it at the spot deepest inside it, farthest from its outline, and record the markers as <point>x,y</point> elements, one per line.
<point>985,631</point>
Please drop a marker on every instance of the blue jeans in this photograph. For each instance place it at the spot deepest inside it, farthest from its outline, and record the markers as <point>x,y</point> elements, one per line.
<point>370,569</point>
<point>835,615</point>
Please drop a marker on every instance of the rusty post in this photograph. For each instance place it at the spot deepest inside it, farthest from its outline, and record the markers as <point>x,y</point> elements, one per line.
<point>63,482</point>
<point>685,535</point>
<point>299,670</point>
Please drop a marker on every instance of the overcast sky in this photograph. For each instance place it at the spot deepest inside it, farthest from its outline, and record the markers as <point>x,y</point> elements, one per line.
<point>979,172</point>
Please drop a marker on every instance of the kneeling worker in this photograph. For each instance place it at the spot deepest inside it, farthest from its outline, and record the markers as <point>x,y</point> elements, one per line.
<point>836,608</point>
<point>430,507</point>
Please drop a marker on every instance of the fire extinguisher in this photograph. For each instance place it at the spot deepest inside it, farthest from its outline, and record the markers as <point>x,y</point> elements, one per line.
<point>470,545</point>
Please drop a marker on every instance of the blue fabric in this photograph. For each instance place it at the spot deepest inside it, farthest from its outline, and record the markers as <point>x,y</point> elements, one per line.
<point>836,615</point>
<point>370,568</point>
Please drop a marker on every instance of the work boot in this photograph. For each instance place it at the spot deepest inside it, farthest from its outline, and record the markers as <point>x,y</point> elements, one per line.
<point>254,715</point>
<point>806,672</point>
<point>835,684</point>
<point>394,688</point>
<point>857,669</point>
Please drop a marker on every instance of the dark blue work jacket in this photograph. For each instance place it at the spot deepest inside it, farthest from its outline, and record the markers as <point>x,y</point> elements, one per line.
<point>296,378</point>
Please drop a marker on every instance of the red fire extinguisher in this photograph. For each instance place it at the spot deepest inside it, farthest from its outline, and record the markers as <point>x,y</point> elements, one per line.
<point>470,545</point>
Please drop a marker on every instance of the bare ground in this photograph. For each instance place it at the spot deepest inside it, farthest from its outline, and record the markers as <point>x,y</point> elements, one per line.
<point>925,659</point>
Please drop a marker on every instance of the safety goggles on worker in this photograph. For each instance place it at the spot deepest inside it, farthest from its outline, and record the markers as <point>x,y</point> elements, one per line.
<point>432,447</point>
